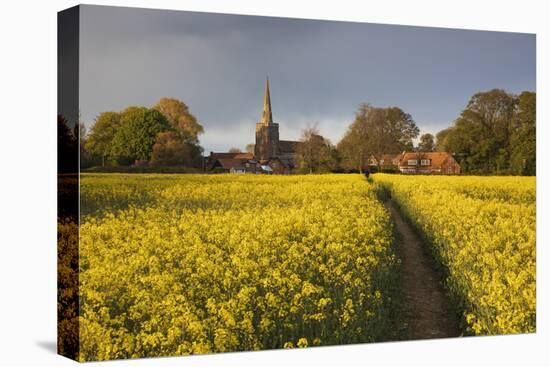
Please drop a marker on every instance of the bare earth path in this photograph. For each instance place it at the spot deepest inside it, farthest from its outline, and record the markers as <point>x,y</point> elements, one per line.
<point>428,314</point>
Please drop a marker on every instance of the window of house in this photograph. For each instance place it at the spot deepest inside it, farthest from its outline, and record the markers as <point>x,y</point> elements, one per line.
<point>381,161</point>
<point>425,162</point>
<point>412,162</point>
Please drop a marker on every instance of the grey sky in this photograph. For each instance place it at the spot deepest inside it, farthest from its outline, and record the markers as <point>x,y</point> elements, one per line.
<point>319,71</point>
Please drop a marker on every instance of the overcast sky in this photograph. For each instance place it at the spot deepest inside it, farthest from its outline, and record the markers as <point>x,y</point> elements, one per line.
<point>319,71</point>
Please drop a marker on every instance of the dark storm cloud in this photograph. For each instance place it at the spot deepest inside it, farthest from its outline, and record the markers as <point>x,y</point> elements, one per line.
<point>319,71</point>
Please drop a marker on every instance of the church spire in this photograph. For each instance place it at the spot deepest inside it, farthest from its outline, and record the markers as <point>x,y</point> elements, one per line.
<point>267,118</point>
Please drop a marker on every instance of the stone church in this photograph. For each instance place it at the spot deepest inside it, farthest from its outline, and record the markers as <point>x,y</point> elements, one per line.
<point>268,145</point>
<point>271,155</point>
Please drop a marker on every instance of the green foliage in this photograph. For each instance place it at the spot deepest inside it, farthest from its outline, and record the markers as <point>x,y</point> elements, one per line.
<point>523,139</point>
<point>441,139</point>
<point>101,135</point>
<point>137,134</point>
<point>132,136</point>
<point>494,134</point>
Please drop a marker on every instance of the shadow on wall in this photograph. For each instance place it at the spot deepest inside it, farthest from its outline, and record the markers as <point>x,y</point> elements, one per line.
<point>48,345</point>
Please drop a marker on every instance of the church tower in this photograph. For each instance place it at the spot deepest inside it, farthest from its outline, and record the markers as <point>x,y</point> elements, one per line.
<point>267,132</point>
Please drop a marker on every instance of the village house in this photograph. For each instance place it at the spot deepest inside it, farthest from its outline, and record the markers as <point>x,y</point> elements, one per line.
<point>232,163</point>
<point>429,163</point>
<point>415,163</point>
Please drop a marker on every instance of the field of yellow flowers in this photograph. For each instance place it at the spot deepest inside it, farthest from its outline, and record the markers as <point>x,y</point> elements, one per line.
<point>482,231</point>
<point>191,264</point>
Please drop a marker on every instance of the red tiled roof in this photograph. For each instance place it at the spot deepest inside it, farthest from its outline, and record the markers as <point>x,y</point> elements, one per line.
<point>436,158</point>
<point>389,158</point>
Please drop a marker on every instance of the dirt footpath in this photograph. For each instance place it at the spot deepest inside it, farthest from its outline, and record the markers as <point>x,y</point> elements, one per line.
<point>428,314</point>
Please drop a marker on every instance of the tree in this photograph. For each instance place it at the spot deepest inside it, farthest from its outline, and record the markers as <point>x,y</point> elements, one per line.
<point>101,135</point>
<point>315,153</point>
<point>426,143</point>
<point>397,132</point>
<point>170,150</point>
<point>86,158</point>
<point>441,139</point>
<point>235,150</point>
<point>180,118</point>
<point>137,134</point>
<point>355,146</point>
<point>523,138</point>
<point>480,136</point>
<point>376,131</point>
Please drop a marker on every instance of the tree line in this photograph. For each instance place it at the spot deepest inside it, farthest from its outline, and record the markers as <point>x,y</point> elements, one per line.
<point>375,131</point>
<point>495,134</point>
<point>166,134</point>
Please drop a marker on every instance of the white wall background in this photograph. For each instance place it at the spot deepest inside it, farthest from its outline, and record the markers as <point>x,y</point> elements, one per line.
<point>28,181</point>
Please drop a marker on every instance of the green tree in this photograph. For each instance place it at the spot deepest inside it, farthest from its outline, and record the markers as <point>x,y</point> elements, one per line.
<point>523,138</point>
<point>86,158</point>
<point>426,143</point>
<point>480,136</point>
<point>441,139</point>
<point>397,131</point>
<point>137,134</point>
<point>100,138</point>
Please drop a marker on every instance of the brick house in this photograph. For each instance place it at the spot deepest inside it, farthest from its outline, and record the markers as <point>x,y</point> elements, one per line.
<point>428,163</point>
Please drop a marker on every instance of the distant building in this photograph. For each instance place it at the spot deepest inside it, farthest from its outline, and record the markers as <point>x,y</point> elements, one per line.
<point>232,163</point>
<point>274,156</point>
<point>268,147</point>
<point>271,155</point>
<point>415,163</point>
<point>429,163</point>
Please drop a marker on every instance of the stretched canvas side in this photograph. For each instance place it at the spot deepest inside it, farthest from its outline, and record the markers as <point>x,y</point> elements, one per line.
<point>67,183</point>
